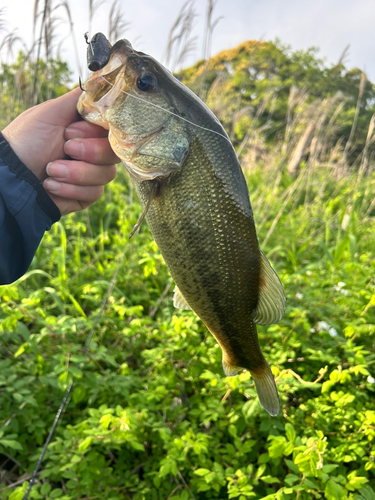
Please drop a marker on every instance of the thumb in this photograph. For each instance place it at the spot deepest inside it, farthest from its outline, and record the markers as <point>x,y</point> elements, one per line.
<point>61,111</point>
<point>37,134</point>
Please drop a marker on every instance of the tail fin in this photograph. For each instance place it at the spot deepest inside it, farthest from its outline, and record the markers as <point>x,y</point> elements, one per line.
<point>264,383</point>
<point>266,389</point>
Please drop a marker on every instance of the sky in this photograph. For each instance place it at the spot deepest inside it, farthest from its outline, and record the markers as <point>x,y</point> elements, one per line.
<point>330,25</point>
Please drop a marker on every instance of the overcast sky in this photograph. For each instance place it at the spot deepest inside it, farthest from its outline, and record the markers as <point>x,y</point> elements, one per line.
<point>330,25</point>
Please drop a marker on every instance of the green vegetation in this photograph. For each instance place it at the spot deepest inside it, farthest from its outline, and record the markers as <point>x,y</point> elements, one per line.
<point>258,86</point>
<point>147,417</point>
<point>151,415</point>
<point>16,85</point>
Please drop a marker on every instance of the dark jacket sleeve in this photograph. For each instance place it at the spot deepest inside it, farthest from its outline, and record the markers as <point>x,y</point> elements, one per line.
<point>26,212</point>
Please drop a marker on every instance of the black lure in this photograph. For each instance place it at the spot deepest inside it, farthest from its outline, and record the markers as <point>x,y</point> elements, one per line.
<point>98,52</point>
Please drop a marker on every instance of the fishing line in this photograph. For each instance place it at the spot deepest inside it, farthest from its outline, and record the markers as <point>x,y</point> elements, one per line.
<point>170,112</point>
<point>67,392</point>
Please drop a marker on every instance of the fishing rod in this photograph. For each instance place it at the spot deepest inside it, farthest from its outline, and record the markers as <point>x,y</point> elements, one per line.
<point>98,53</point>
<point>68,390</point>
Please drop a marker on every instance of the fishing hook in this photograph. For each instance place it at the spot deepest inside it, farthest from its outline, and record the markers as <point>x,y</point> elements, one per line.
<point>80,84</point>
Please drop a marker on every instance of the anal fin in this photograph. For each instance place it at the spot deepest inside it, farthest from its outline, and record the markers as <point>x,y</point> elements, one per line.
<point>230,370</point>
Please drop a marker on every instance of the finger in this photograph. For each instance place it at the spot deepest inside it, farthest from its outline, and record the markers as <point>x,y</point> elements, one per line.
<point>83,129</point>
<point>60,111</point>
<point>81,173</point>
<point>87,194</point>
<point>67,206</point>
<point>96,151</point>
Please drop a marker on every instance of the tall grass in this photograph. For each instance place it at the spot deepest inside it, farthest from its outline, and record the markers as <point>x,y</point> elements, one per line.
<point>38,77</point>
<point>180,42</point>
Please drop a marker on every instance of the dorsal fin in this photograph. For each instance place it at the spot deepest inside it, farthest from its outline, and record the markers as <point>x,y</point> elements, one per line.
<point>272,301</point>
<point>178,300</point>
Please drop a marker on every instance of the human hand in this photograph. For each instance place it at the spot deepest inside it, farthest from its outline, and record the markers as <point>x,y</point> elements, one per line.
<point>44,136</point>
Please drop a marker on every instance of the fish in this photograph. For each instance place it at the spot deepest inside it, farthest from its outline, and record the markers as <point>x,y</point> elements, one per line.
<point>196,203</point>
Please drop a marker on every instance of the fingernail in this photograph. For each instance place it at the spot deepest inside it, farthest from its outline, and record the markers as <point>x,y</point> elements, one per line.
<point>58,170</point>
<point>74,148</point>
<point>51,185</point>
<point>76,132</point>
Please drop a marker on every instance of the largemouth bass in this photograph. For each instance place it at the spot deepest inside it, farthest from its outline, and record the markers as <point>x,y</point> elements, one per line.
<point>196,203</point>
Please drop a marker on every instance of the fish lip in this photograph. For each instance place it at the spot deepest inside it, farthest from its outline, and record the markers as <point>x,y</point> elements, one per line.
<point>118,59</point>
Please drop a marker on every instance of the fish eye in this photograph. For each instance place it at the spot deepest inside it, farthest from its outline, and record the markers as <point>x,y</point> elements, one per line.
<point>146,82</point>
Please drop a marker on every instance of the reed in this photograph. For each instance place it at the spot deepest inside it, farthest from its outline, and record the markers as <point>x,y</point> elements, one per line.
<point>117,23</point>
<point>180,41</point>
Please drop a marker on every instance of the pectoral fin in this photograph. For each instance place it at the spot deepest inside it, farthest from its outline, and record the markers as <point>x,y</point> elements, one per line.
<point>155,187</point>
<point>272,301</point>
<point>178,300</point>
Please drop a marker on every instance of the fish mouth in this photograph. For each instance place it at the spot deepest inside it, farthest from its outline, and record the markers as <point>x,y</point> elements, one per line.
<point>106,85</point>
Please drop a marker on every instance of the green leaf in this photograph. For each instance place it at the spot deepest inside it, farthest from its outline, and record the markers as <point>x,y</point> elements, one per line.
<point>260,471</point>
<point>202,472</point>
<point>334,491</point>
<point>72,484</point>
<point>211,476</point>
<point>327,385</point>
<point>56,493</point>
<point>329,468</point>
<point>290,432</point>
<point>310,484</point>
<point>355,482</point>
<point>365,493</point>
<point>137,446</point>
<point>292,466</point>
<point>165,469</point>
<point>69,474</point>
<point>19,493</point>
<point>290,479</point>
<point>20,350</point>
<point>83,445</point>
<point>10,443</point>
<point>277,446</point>
<point>270,479</point>
<point>45,489</point>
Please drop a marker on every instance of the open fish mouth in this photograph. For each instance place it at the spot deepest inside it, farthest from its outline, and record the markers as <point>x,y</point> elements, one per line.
<point>106,85</point>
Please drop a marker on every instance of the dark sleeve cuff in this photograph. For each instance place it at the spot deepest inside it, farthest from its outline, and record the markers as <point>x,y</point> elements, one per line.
<point>18,168</point>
